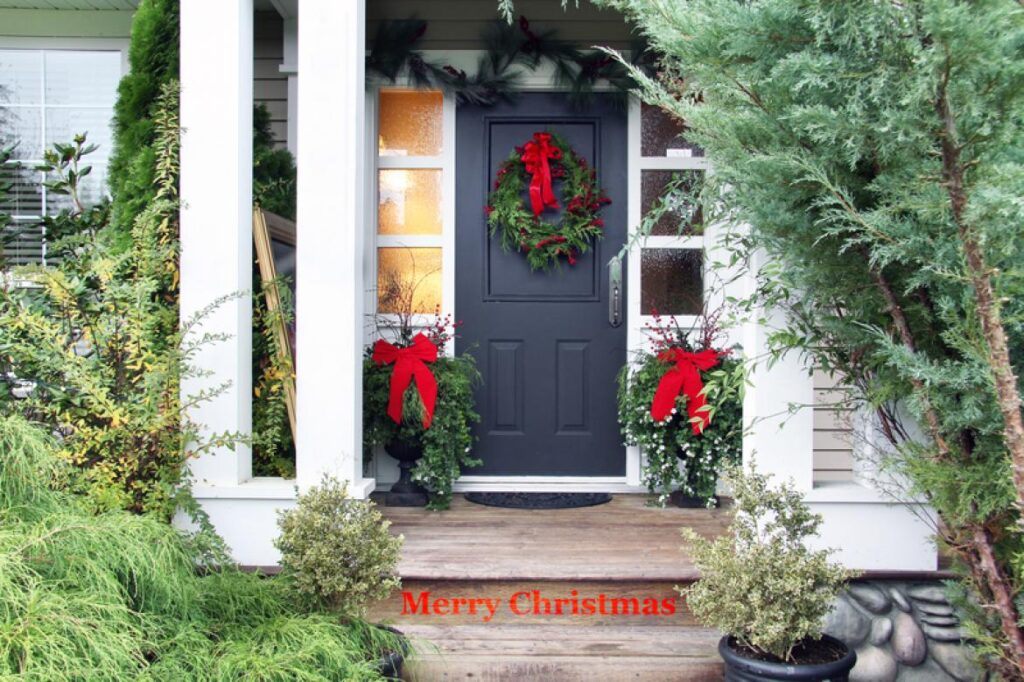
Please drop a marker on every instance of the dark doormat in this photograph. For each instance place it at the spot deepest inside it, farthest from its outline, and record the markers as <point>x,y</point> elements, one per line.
<point>539,500</point>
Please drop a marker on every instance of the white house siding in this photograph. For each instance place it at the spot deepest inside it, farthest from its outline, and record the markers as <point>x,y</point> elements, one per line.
<point>458,24</point>
<point>270,86</point>
<point>833,432</point>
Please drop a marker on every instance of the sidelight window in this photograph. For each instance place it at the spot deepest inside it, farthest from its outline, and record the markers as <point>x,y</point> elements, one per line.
<point>670,261</point>
<point>412,188</point>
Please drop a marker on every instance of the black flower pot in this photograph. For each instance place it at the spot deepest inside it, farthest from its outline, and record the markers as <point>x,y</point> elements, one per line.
<point>405,492</point>
<point>390,663</point>
<point>739,668</point>
<point>677,498</point>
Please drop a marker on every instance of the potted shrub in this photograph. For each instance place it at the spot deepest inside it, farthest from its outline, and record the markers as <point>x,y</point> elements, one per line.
<point>681,402</point>
<point>418,402</point>
<point>766,590</point>
<point>338,553</point>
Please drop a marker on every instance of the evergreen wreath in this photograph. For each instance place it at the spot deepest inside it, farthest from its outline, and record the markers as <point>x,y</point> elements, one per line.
<point>531,169</point>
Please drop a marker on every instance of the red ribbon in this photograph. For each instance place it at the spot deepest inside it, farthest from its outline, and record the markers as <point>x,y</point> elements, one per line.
<point>685,377</point>
<point>535,156</point>
<point>410,363</point>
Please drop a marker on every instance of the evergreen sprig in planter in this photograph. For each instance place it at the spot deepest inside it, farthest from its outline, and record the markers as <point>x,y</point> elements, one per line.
<point>432,452</point>
<point>766,590</point>
<point>684,446</point>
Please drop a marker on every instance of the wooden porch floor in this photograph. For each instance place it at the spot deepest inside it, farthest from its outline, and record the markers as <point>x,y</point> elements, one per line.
<point>622,540</point>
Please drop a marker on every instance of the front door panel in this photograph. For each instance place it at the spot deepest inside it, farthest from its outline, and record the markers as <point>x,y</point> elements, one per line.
<point>542,340</point>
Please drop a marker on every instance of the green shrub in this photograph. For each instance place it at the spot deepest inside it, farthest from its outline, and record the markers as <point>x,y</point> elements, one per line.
<point>719,445</point>
<point>447,444</point>
<point>338,550</point>
<point>98,336</point>
<point>273,169</point>
<point>759,582</point>
<point>153,56</point>
<point>116,596</point>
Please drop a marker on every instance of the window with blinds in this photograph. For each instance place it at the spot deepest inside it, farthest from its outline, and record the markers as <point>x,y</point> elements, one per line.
<point>48,96</point>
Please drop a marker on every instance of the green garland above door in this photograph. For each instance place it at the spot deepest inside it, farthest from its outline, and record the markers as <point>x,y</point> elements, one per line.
<point>510,52</point>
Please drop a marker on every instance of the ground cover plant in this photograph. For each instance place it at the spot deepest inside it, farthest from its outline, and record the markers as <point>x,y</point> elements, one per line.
<point>117,596</point>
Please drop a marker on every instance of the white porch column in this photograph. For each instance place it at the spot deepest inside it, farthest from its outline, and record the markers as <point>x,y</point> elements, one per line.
<point>216,217</point>
<point>329,267</point>
<point>780,441</point>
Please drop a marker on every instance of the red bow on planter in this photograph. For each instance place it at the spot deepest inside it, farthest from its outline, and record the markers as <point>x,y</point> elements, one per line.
<point>536,154</point>
<point>410,362</point>
<point>685,377</point>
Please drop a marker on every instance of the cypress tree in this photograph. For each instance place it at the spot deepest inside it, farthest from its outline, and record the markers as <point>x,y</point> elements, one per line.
<point>876,152</point>
<point>153,56</point>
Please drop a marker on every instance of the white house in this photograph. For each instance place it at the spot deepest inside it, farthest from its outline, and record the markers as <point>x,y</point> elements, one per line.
<point>385,171</point>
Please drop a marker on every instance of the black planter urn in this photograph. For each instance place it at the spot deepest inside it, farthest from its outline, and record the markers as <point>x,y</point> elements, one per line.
<point>677,498</point>
<point>405,492</point>
<point>739,668</point>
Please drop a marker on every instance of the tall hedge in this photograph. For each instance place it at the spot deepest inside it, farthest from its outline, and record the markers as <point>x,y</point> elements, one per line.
<point>153,55</point>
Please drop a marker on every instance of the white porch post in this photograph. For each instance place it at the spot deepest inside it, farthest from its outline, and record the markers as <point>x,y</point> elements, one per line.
<point>781,442</point>
<point>329,267</point>
<point>216,217</point>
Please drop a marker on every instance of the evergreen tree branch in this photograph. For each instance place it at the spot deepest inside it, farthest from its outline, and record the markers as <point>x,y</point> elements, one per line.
<point>953,171</point>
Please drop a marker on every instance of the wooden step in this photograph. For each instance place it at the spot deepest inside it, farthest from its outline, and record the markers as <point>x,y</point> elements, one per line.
<point>558,653</point>
<point>624,539</point>
<point>530,602</point>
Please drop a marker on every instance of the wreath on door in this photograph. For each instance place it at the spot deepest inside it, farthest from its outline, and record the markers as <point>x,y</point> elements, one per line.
<point>533,168</point>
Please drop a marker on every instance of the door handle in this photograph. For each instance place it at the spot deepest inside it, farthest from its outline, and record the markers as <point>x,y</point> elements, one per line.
<point>615,292</point>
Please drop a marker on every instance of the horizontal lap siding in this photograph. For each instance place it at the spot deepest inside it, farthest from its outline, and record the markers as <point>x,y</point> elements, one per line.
<point>459,24</point>
<point>833,434</point>
<point>270,86</point>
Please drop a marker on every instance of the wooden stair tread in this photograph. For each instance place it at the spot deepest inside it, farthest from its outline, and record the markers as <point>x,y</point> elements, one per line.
<point>560,653</point>
<point>622,540</point>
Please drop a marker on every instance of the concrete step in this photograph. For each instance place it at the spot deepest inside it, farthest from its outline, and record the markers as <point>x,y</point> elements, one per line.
<point>562,653</point>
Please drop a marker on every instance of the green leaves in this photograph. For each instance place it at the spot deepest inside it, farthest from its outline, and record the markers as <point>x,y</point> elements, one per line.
<point>759,582</point>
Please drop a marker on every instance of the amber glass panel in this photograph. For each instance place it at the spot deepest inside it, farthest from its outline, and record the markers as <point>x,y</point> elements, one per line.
<point>683,213</point>
<point>671,281</point>
<point>409,123</point>
<point>661,134</point>
<point>408,280</point>
<point>409,202</point>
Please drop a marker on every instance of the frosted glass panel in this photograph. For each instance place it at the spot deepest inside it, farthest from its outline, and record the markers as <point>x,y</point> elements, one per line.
<point>21,76</point>
<point>408,280</point>
<point>661,134</point>
<point>82,78</point>
<point>682,217</point>
<point>409,123</point>
<point>409,202</point>
<point>671,281</point>
<point>22,126</point>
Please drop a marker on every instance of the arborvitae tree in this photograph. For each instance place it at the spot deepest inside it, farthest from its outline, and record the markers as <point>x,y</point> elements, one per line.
<point>876,152</point>
<point>153,56</point>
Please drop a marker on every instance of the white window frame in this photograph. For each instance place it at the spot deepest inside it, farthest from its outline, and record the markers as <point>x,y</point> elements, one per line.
<point>637,339</point>
<point>444,162</point>
<point>119,45</point>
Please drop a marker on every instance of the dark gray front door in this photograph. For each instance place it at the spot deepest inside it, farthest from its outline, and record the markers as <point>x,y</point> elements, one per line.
<point>543,340</point>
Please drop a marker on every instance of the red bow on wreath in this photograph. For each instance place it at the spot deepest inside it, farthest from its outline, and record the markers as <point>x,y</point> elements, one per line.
<point>410,362</point>
<point>685,377</point>
<point>535,157</point>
